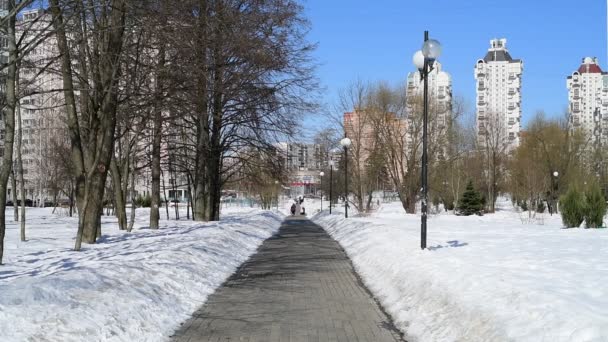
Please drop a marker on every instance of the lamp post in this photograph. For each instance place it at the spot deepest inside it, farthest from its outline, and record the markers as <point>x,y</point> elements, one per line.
<point>424,60</point>
<point>345,143</point>
<point>555,174</point>
<point>331,182</point>
<point>321,174</point>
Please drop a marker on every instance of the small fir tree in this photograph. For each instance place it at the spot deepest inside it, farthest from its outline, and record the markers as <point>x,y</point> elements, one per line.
<point>540,206</point>
<point>470,203</point>
<point>573,207</point>
<point>596,207</point>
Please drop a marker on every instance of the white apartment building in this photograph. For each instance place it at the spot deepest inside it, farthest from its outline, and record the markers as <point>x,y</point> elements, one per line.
<point>439,91</point>
<point>588,101</point>
<point>440,101</point>
<point>498,103</point>
<point>40,108</point>
<point>303,162</point>
<point>301,156</point>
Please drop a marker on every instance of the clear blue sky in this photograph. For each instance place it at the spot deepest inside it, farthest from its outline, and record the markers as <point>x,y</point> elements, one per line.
<point>375,40</point>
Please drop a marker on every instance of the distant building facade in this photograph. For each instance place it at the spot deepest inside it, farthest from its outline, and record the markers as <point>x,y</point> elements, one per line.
<point>498,103</point>
<point>302,163</point>
<point>439,90</point>
<point>440,105</point>
<point>588,101</point>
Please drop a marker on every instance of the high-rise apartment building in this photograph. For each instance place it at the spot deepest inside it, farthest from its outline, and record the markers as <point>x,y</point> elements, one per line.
<point>41,108</point>
<point>302,156</point>
<point>498,102</point>
<point>588,101</point>
<point>439,90</point>
<point>440,105</point>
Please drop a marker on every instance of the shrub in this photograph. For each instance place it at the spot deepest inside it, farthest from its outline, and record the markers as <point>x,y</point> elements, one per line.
<point>573,208</point>
<point>470,203</point>
<point>595,208</point>
<point>540,207</point>
<point>143,201</point>
<point>523,205</point>
<point>449,205</point>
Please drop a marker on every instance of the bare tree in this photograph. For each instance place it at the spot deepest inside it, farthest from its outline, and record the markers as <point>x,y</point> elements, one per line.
<point>98,31</point>
<point>493,143</point>
<point>9,117</point>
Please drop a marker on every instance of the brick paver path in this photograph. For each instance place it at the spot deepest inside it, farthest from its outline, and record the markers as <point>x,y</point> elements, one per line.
<point>300,286</point>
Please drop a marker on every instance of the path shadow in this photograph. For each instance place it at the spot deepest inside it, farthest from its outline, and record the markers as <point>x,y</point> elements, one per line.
<point>450,244</point>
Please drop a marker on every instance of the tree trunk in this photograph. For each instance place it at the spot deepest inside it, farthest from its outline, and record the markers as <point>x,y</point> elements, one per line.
<point>188,197</point>
<point>165,195</point>
<point>133,206</point>
<point>119,195</point>
<point>156,149</point>
<point>71,199</point>
<point>201,188</point>
<point>20,168</point>
<point>14,194</point>
<point>9,122</point>
<point>93,210</point>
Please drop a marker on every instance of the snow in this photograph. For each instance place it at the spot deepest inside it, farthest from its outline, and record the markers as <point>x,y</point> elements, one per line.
<point>483,278</point>
<point>128,287</point>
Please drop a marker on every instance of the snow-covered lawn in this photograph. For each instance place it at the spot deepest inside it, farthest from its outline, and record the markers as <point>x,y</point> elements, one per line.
<point>489,278</point>
<point>128,287</point>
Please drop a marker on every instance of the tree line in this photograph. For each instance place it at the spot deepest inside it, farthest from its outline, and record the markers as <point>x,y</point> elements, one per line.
<point>199,89</point>
<point>551,158</point>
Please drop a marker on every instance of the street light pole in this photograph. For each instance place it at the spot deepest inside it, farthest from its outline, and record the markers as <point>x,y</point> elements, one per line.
<point>554,191</point>
<point>345,143</point>
<point>424,60</point>
<point>321,174</point>
<point>331,182</point>
<point>425,118</point>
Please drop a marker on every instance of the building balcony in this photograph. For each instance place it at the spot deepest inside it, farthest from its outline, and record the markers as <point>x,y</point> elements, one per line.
<point>511,107</point>
<point>481,103</point>
<point>481,74</point>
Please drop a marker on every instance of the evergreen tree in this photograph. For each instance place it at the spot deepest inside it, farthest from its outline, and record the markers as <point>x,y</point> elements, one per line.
<point>596,207</point>
<point>470,202</point>
<point>573,207</point>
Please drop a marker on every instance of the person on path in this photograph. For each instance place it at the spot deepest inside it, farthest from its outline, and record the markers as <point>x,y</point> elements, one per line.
<point>293,209</point>
<point>298,208</point>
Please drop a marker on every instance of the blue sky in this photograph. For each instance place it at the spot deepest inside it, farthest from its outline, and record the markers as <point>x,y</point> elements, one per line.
<point>375,40</point>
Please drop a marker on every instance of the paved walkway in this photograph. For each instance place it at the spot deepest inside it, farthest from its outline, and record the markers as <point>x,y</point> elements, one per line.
<point>300,286</point>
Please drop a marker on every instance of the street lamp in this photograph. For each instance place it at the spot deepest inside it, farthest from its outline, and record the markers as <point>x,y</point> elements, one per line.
<point>553,208</point>
<point>331,182</point>
<point>321,174</point>
<point>424,60</point>
<point>345,143</point>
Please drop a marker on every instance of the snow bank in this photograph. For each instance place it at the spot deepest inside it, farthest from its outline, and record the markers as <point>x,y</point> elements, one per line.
<point>128,287</point>
<point>489,278</point>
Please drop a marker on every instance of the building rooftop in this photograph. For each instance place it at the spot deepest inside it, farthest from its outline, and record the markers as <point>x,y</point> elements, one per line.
<point>498,52</point>
<point>589,65</point>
